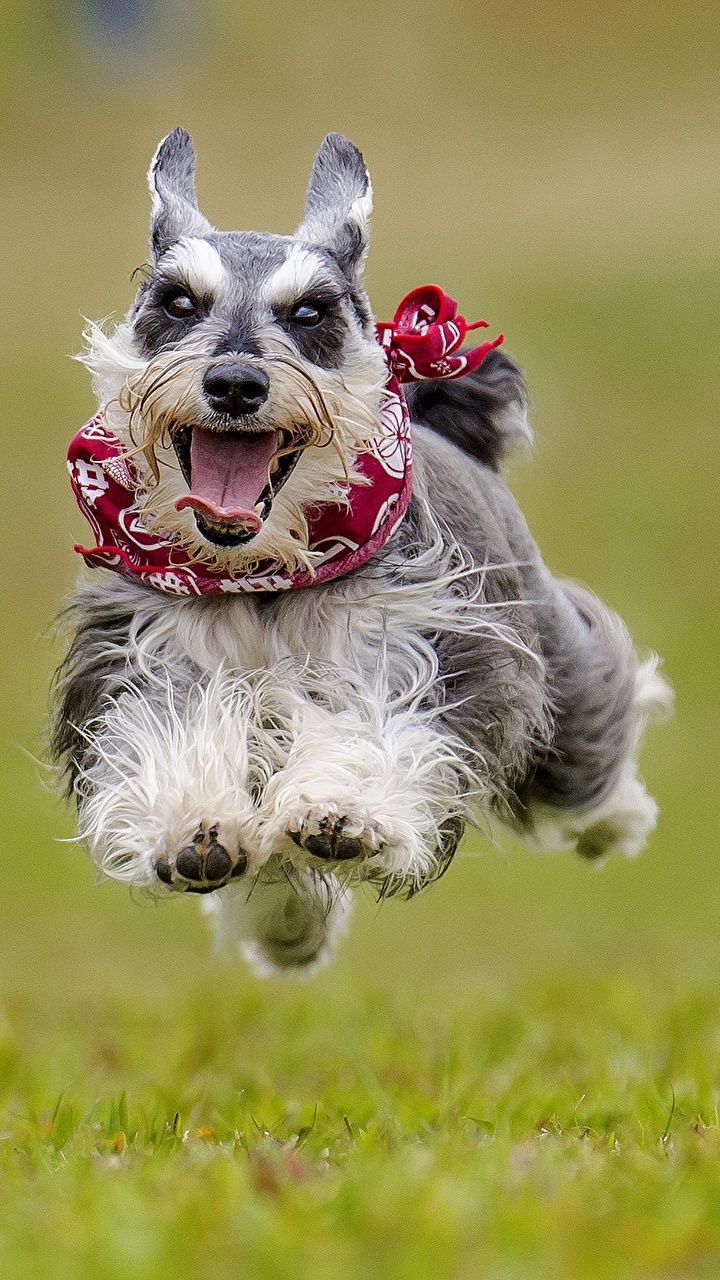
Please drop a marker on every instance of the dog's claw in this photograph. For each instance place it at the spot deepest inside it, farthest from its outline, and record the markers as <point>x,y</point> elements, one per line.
<point>203,866</point>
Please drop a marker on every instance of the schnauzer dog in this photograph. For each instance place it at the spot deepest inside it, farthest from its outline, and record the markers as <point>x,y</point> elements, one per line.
<point>304,661</point>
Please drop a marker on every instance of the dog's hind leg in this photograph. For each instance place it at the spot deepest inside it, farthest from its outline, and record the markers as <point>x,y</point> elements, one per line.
<point>584,792</point>
<point>285,920</point>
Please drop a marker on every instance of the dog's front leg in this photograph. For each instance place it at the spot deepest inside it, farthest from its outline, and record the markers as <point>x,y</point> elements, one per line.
<point>362,788</point>
<point>164,786</point>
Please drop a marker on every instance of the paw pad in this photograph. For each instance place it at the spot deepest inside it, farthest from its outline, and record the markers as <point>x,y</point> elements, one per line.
<point>329,842</point>
<point>203,866</point>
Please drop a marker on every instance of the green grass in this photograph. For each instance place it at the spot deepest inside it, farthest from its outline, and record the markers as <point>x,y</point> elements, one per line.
<point>565,1130</point>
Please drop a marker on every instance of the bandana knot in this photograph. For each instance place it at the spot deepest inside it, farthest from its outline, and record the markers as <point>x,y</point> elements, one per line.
<point>424,333</point>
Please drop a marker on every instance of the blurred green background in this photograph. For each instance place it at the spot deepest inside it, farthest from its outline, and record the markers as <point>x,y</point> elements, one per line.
<point>554,167</point>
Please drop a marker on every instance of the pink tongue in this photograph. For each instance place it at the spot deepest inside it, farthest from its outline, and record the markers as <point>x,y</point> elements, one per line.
<point>229,471</point>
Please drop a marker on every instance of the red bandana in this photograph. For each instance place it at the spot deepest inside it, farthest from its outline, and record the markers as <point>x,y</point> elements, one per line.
<point>418,343</point>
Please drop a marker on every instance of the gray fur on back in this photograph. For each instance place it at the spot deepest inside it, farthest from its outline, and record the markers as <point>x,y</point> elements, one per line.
<point>590,671</point>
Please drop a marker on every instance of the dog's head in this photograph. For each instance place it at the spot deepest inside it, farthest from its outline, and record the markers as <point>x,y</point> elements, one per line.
<point>246,375</point>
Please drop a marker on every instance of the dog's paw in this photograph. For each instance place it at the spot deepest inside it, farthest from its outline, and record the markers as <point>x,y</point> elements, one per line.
<point>202,866</point>
<point>332,837</point>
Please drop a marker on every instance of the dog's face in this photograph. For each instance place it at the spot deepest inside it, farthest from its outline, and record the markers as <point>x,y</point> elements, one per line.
<point>247,374</point>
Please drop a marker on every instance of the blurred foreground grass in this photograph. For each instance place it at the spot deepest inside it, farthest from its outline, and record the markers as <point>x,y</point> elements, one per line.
<point>483,1083</point>
<point>203,1129</point>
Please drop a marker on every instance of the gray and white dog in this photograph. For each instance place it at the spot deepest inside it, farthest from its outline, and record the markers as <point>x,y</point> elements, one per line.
<point>272,749</point>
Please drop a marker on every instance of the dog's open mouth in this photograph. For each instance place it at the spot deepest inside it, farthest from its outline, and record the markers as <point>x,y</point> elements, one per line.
<point>233,477</point>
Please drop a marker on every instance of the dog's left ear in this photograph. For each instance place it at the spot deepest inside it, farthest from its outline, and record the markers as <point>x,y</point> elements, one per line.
<point>339,203</point>
<point>171,179</point>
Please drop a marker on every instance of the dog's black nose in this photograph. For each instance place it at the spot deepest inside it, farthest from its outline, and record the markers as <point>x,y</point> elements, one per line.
<point>236,389</point>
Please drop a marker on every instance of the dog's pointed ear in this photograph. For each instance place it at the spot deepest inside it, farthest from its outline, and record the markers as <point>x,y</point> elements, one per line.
<point>339,203</point>
<point>171,179</point>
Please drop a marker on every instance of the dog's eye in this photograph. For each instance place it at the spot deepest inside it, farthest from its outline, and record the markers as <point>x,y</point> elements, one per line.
<point>181,306</point>
<point>308,313</point>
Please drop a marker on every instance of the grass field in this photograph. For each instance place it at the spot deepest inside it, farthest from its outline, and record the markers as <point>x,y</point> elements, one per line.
<point>570,1131</point>
<point>517,1074</point>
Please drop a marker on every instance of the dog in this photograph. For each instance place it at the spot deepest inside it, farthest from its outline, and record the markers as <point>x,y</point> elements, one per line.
<point>315,644</point>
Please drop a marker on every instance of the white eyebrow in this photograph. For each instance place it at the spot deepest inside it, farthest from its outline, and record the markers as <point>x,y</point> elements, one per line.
<point>301,270</point>
<point>198,263</point>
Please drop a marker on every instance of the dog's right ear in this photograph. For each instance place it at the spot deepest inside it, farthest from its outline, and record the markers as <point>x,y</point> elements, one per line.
<point>171,179</point>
